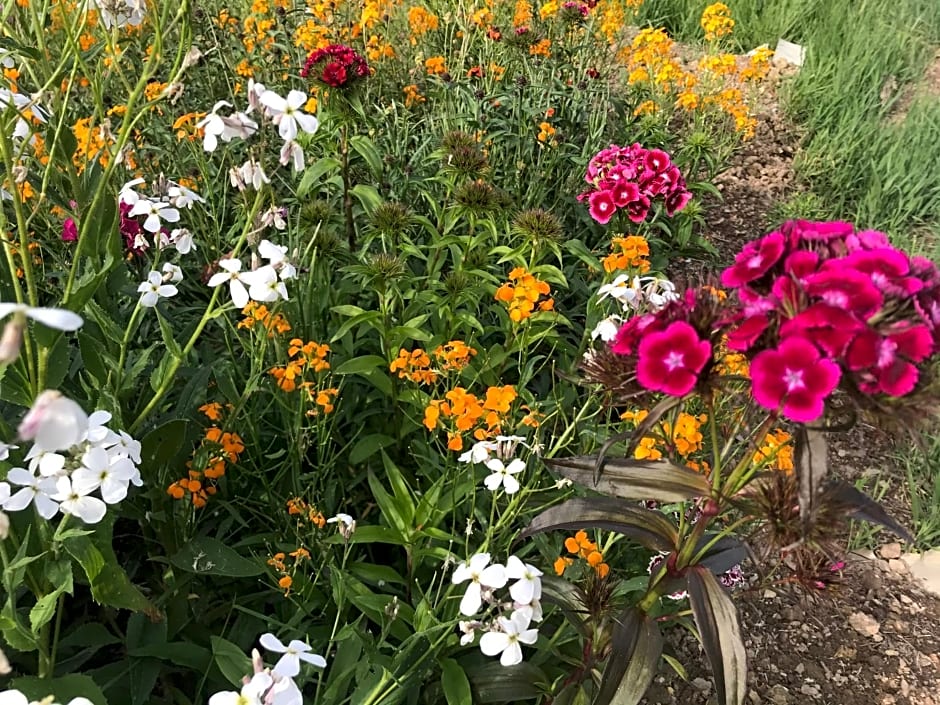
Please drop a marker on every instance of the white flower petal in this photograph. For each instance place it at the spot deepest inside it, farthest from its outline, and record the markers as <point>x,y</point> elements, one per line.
<point>493,643</point>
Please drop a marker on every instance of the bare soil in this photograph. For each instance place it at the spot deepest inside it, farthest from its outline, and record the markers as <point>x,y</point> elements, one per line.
<point>873,638</point>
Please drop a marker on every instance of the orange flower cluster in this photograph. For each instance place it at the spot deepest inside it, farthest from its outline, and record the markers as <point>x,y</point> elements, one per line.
<point>460,412</point>
<point>416,365</point>
<point>522,293</point>
<point>185,126</point>
<point>685,439</point>
<point>297,506</point>
<point>421,21</point>
<point>435,66</point>
<point>279,562</point>
<point>412,95</point>
<point>522,14</point>
<point>258,26</point>
<point>256,313</point>
<point>776,450</point>
<point>716,21</point>
<point>630,252</point>
<point>543,47</point>
<point>546,132</point>
<point>581,546</point>
<point>91,143</point>
<point>209,461</point>
<point>304,357</point>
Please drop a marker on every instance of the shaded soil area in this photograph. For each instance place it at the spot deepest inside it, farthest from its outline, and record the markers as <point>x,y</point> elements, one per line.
<point>874,637</point>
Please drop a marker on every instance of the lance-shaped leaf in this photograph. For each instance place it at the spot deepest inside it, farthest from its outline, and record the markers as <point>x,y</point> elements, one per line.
<point>646,527</point>
<point>660,480</point>
<point>570,598</point>
<point>642,429</point>
<point>717,620</point>
<point>723,555</point>
<point>636,646</point>
<point>863,507</point>
<point>812,466</point>
<point>495,683</point>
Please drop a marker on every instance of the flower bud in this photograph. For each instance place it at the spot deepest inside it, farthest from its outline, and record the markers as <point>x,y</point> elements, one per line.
<point>11,341</point>
<point>54,422</point>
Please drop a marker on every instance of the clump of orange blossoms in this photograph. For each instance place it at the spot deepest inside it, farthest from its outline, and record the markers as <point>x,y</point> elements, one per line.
<point>523,292</point>
<point>209,460</point>
<point>629,252</point>
<point>461,412</point>
<point>581,546</point>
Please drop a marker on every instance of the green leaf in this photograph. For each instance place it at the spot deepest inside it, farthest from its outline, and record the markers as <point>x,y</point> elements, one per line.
<point>368,196</point>
<point>159,446</point>
<point>636,645</point>
<point>109,583</point>
<point>64,688</point>
<point>646,527</point>
<point>205,555</point>
<point>314,172</point>
<point>660,480</point>
<point>14,633</point>
<point>495,683</point>
<point>455,683</point>
<point>58,573</point>
<point>365,148</point>
<point>182,653</point>
<point>166,331</point>
<point>720,634</point>
<point>95,358</point>
<point>361,365</point>
<point>368,446</point>
<point>231,660</point>
<point>391,510</point>
<point>370,317</point>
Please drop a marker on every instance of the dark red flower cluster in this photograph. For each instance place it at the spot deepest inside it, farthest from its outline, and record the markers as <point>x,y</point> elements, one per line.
<point>336,65</point>
<point>631,178</point>
<point>818,304</point>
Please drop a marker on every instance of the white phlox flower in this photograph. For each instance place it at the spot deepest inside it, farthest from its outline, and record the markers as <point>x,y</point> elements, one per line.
<point>102,471</point>
<point>248,174</point>
<point>468,631</point>
<point>512,632</point>
<point>182,240</point>
<point>182,197</point>
<point>121,13</point>
<point>528,585</point>
<point>276,216</point>
<point>479,452</point>
<point>480,574</point>
<point>277,256</point>
<point>35,490</point>
<point>288,115</point>
<point>58,318</point>
<point>294,652</point>
<point>233,275</point>
<point>54,422</point>
<point>252,693</point>
<point>48,464</point>
<point>503,475</point>
<point>347,525</point>
<point>264,284</point>
<point>5,449</point>
<point>152,290</point>
<point>156,212</point>
<point>659,292</point>
<point>75,498</point>
<point>292,152</point>
<point>531,610</point>
<point>15,697</point>
<point>127,194</point>
<point>284,692</point>
<point>172,273</point>
<point>624,289</point>
<point>217,126</point>
<point>607,329</point>
<point>254,93</point>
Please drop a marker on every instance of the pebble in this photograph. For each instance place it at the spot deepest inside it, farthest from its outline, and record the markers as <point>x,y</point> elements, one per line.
<point>891,550</point>
<point>779,695</point>
<point>896,565</point>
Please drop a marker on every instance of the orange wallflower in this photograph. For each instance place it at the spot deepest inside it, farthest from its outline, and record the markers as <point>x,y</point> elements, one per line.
<point>522,293</point>
<point>435,66</point>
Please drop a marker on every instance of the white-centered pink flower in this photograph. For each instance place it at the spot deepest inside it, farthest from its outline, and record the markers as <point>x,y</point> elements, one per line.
<point>480,574</point>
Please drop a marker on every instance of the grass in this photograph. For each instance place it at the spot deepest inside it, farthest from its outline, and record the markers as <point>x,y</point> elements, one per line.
<point>862,160</point>
<point>923,483</point>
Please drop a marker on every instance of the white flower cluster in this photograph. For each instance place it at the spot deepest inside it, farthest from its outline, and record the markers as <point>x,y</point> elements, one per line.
<point>286,114</point>
<point>264,284</point>
<point>272,686</point>
<point>633,294</point>
<point>120,13</point>
<point>494,454</point>
<point>500,635</point>
<point>72,456</point>
<point>27,111</point>
<point>15,697</point>
<point>164,205</point>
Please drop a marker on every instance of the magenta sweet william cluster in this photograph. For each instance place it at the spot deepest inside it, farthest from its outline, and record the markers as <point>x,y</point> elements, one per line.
<point>632,178</point>
<point>336,65</point>
<point>818,304</point>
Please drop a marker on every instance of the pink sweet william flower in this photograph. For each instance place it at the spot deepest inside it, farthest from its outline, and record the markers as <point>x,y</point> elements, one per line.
<point>69,230</point>
<point>669,361</point>
<point>795,377</point>
<point>754,260</point>
<point>885,360</point>
<point>630,333</point>
<point>601,206</point>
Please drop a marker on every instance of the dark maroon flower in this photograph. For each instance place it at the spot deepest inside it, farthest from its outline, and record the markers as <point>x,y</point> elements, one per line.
<point>342,66</point>
<point>334,74</point>
<point>676,201</point>
<point>628,337</point>
<point>624,192</point>
<point>639,209</point>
